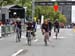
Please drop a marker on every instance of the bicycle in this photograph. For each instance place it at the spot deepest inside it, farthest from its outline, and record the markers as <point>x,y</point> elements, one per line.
<point>56,30</point>
<point>18,35</point>
<point>28,35</point>
<point>46,38</point>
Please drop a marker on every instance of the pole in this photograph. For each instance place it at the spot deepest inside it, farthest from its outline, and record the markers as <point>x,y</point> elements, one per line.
<point>33,9</point>
<point>1,29</point>
<point>22,3</point>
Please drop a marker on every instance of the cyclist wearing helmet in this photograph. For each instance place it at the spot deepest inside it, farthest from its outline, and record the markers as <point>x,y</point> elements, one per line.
<point>29,28</point>
<point>18,27</point>
<point>50,26</point>
<point>45,30</point>
<point>56,25</point>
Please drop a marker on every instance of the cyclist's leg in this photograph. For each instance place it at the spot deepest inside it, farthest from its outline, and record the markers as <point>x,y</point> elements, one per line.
<point>29,38</point>
<point>46,37</point>
<point>28,35</point>
<point>17,37</point>
<point>45,40</point>
<point>20,34</point>
<point>49,32</point>
<point>58,30</point>
<point>33,35</point>
<point>54,29</point>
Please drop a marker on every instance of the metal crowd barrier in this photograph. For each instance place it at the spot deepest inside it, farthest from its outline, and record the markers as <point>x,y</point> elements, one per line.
<point>9,29</point>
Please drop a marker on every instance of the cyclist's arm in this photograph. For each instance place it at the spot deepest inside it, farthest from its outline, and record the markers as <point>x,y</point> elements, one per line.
<point>42,28</point>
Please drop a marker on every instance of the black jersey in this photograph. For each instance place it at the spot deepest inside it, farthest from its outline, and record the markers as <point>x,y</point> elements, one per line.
<point>45,27</point>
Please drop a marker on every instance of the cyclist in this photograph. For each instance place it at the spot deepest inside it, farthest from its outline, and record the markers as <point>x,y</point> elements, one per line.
<point>56,25</point>
<point>34,26</point>
<point>45,30</point>
<point>18,28</point>
<point>50,26</point>
<point>29,32</point>
<point>33,29</point>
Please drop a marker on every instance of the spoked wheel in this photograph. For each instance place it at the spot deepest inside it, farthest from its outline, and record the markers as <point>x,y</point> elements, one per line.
<point>45,40</point>
<point>29,41</point>
<point>29,38</point>
<point>50,34</point>
<point>18,38</point>
<point>56,33</point>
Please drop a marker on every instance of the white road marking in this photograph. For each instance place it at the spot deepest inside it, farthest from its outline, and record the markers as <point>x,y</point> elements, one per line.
<point>23,37</point>
<point>15,54</point>
<point>38,26</point>
<point>58,37</point>
<point>35,40</point>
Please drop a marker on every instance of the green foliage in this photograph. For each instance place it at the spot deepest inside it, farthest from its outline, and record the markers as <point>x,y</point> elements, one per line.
<point>62,18</point>
<point>49,12</point>
<point>6,2</point>
<point>24,3</point>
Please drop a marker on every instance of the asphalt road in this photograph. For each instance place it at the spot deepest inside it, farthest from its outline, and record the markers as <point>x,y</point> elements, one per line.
<point>63,46</point>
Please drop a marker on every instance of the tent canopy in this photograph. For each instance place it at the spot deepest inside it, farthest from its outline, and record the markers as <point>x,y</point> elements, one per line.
<point>16,11</point>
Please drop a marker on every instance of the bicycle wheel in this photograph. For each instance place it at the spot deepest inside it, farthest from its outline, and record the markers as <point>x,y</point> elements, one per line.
<point>56,33</point>
<point>29,41</point>
<point>29,38</point>
<point>18,36</point>
<point>46,37</point>
<point>50,33</point>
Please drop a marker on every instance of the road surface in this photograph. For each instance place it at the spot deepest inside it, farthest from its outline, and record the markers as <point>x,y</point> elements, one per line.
<point>63,46</point>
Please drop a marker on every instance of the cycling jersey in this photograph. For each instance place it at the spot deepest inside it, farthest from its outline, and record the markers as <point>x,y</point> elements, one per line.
<point>45,27</point>
<point>56,24</point>
<point>50,25</point>
<point>29,26</point>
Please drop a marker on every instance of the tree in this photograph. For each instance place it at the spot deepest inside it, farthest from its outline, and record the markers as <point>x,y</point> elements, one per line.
<point>26,3</point>
<point>7,2</point>
<point>49,12</point>
<point>62,18</point>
